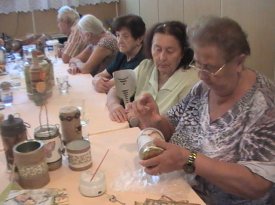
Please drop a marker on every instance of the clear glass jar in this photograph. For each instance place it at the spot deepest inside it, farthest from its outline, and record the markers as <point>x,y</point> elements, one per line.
<point>145,141</point>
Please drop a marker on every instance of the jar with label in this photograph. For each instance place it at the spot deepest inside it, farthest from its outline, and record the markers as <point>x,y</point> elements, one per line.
<point>6,94</point>
<point>50,136</point>
<point>146,147</point>
<point>13,131</point>
<point>70,123</point>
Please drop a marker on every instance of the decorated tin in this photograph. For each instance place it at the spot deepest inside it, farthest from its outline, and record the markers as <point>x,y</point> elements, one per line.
<point>50,136</point>
<point>30,161</point>
<point>70,123</point>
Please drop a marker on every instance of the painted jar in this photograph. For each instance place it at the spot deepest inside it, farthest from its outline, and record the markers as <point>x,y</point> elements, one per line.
<point>13,131</point>
<point>50,136</point>
<point>39,79</point>
<point>70,123</point>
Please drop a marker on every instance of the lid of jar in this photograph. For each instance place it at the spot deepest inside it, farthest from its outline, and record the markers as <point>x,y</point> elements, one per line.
<point>12,125</point>
<point>69,110</point>
<point>44,132</point>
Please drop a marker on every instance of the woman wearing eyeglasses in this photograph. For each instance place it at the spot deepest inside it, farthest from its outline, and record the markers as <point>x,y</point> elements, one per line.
<point>223,132</point>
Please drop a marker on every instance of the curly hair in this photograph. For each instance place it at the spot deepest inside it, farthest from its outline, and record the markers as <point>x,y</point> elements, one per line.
<point>223,32</point>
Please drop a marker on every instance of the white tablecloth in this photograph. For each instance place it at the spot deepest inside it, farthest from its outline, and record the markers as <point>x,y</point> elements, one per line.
<point>81,88</point>
<point>121,168</point>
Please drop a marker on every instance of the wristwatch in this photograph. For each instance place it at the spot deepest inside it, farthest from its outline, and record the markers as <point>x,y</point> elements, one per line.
<point>189,166</point>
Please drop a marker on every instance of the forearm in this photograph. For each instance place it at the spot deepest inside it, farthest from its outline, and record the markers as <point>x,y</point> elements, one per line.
<point>112,98</point>
<point>231,177</point>
<point>65,58</point>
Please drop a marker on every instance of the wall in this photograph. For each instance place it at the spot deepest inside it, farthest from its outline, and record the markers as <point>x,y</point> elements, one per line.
<point>256,17</point>
<point>19,24</point>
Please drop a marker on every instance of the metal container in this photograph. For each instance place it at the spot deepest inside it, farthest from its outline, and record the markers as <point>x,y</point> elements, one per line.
<point>13,131</point>
<point>70,123</point>
<point>29,159</point>
<point>53,147</point>
<point>146,147</point>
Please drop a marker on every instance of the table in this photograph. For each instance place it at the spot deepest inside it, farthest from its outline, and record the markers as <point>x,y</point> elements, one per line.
<point>120,167</point>
<point>81,88</point>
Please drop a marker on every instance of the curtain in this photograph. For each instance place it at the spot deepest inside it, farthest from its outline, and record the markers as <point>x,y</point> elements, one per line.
<point>7,6</point>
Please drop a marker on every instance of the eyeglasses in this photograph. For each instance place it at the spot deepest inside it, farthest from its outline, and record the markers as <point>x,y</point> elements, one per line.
<point>205,68</point>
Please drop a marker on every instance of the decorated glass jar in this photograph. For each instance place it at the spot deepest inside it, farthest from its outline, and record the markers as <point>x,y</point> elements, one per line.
<point>13,131</point>
<point>39,79</point>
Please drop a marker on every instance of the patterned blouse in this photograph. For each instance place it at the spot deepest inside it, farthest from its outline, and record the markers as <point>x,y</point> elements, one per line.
<point>109,42</point>
<point>244,135</point>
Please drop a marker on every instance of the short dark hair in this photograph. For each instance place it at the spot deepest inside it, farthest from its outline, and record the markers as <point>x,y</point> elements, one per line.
<point>223,32</point>
<point>178,31</point>
<point>134,23</point>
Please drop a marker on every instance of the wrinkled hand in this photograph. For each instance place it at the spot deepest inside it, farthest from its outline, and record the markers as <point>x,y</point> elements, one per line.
<point>73,69</point>
<point>102,85</point>
<point>118,113</point>
<point>145,109</point>
<point>172,158</point>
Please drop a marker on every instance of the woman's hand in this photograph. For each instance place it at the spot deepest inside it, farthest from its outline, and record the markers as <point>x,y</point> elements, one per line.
<point>102,84</point>
<point>145,109</point>
<point>172,158</point>
<point>75,66</point>
<point>117,113</point>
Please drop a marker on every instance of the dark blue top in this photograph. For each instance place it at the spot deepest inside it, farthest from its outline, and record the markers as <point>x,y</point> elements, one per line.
<point>120,62</point>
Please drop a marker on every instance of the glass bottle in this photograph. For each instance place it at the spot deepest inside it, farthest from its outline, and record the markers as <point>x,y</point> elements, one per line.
<point>2,59</point>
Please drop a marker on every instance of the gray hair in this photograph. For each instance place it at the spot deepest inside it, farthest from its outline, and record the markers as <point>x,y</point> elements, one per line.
<point>66,13</point>
<point>222,32</point>
<point>91,24</point>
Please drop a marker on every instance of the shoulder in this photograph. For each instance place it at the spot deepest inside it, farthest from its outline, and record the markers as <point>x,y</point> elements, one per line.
<point>106,40</point>
<point>147,63</point>
<point>266,87</point>
<point>145,66</point>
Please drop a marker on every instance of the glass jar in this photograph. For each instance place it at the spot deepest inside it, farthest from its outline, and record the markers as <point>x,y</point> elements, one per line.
<point>13,131</point>
<point>39,79</point>
<point>6,94</point>
<point>2,59</point>
<point>146,147</point>
<point>50,136</point>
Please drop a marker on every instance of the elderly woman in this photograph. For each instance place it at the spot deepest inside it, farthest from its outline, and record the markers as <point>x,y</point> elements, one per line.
<point>100,52</point>
<point>130,30</point>
<point>67,19</point>
<point>223,131</point>
<point>165,74</point>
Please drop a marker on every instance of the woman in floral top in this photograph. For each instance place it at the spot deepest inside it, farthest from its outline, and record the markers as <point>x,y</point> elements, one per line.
<point>99,53</point>
<point>223,132</point>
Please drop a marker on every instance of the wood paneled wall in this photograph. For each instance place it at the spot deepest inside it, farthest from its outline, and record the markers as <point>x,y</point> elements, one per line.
<point>19,24</point>
<point>256,17</point>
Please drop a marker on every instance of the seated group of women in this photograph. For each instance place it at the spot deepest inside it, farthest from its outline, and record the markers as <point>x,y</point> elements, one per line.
<point>217,115</point>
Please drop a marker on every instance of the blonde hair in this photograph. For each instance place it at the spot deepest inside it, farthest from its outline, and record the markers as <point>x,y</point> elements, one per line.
<point>91,24</point>
<point>66,13</point>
